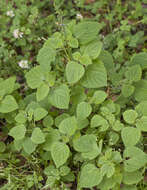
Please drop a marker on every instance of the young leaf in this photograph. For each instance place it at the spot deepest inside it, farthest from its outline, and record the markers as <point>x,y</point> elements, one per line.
<point>39,114</point>
<point>83,110</point>
<point>74,72</point>
<point>59,97</point>
<point>128,132</point>
<point>130,116</point>
<point>68,126</point>
<point>90,176</point>
<point>18,132</point>
<point>60,153</point>
<point>8,104</point>
<point>95,76</point>
<point>42,92</point>
<point>37,136</point>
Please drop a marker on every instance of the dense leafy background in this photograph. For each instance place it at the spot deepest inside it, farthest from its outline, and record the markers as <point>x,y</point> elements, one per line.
<point>73,95</point>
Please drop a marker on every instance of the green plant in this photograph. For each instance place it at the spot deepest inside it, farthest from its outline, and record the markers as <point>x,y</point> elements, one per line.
<point>76,118</point>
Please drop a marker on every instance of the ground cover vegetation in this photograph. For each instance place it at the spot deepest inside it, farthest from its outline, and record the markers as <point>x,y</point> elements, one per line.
<point>73,95</point>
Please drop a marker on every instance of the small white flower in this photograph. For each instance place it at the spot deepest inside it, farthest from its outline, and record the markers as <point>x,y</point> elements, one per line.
<point>23,64</point>
<point>10,13</point>
<point>17,33</point>
<point>79,16</point>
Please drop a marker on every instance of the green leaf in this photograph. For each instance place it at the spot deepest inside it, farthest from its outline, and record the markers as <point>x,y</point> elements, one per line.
<point>48,121</point>
<point>97,121</point>
<point>68,126</point>
<point>39,114</point>
<point>42,92</point>
<point>90,176</point>
<point>60,153</point>
<point>86,31</point>
<point>130,178</point>
<point>21,117</point>
<point>134,73</point>
<point>60,118</point>
<point>135,159</point>
<point>142,124</point>
<point>18,132</point>
<point>95,151</point>
<point>82,123</point>
<point>108,169</point>
<point>2,147</point>
<point>8,85</point>
<point>73,42</point>
<point>130,136</point>
<point>35,77</point>
<point>141,108</point>
<point>85,60</point>
<point>98,97</point>
<point>64,170</point>
<point>74,72</point>
<point>130,116</point>
<point>59,97</point>
<point>46,56</point>
<point>8,104</point>
<point>140,93</point>
<point>52,136</point>
<point>93,49</point>
<point>107,59</point>
<point>37,136</point>
<point>85,143</point>
<point>129,187</point>
<point>140,59</point>
<point>127,90</point>
<point>95,76</point>
<point>83,110</point>
<point>28,145</point>
<point>118,126</point>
